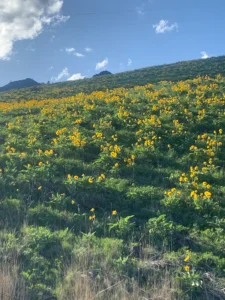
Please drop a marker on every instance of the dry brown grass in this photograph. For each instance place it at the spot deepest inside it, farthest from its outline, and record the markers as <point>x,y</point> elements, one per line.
<point>80,286</point>
<point>12,286</point>
<point>83,283</point>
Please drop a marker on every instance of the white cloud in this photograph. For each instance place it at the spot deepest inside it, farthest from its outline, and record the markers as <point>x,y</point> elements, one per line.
<point>140,10</point>
<point>129,63</point>
<point>164,26</point>
<point>63,74</point>
<point>22,20</point>
<point>60,19</point>
<point>79,54</point>
<point>70,50</point>
<point>76,77</point>
<point>55,20</point>
<point>204,55</point>
<point>87,49</point>
<point>102,64</point>
<point>143,8</point>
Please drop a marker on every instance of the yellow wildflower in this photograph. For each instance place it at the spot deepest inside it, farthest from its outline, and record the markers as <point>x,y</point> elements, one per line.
<point>113,154</point>
<point>207,194</point>
<point>192,148</point>
<point>90,179</point>
<point>187,258</point>
<point>204,169</point>
<point>114,212</point>
<point>186,268</point>
<point>91,217</point>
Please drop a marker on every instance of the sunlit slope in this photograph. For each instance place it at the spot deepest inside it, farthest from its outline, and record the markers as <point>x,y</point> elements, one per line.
<point>141,135</point>
<point>142,168</point>
<point>172,72</point>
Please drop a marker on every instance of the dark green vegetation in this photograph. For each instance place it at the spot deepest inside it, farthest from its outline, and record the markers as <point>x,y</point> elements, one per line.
<point>103,73</point>
<point>19,84</point>
<point>115,195</point>
<point>173,72</point>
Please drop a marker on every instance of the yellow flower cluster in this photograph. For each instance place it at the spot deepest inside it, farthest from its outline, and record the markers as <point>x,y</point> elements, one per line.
<point>61,131</point>
<point>76,139</point>
<point>130,160</point>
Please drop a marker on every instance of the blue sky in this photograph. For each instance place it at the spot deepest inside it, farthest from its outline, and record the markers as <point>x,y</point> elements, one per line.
<point>58,40</point>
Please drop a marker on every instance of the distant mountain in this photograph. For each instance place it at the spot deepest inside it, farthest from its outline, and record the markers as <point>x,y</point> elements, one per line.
<point>103,73</point>
<point>19,84</point>
<point>172,72</point>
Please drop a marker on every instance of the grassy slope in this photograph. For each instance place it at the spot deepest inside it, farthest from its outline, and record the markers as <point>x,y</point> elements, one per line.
<point>172,72</point>
<point>115,195</point>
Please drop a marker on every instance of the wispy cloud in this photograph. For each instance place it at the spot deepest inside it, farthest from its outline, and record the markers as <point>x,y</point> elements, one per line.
<point>23,20</point>
<point>70,50</point>
<point>164,26</point>
<point>79,54</point>
<point>102,64</point>
<point>63,74</point>
<point>204,55</point>
<point>140,10</point>
<point>55,20</point>
<point>129,63</point>
<point>87,49</point>
<point>143,8</point>
<point>76,76</point>
<point>30,48</point>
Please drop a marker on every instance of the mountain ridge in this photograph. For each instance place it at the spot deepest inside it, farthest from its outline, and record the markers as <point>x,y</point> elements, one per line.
<point>19,84</point>
<point>103,73</point>
<point>177,71</point>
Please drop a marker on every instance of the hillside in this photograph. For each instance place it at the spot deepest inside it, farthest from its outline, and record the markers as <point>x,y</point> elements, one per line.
<point>115,194</point>
<point>19,84</point>
<point>173,72</point>
<point>103,73</point>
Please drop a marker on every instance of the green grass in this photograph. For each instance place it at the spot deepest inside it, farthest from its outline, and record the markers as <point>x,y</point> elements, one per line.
<point>116,194</point>
<point>172,72</point>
